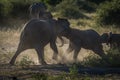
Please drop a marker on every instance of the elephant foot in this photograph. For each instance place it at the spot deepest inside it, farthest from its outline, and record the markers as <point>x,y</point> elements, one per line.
<point>54,57</point>
<point>11,63</point>
<point>43,63</point>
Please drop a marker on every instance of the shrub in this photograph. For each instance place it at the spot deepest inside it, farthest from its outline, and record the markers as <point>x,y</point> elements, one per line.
<point>20,9</point>
<point>109,13</point>
<point>71,12</point>
<point>95,61</point>
<point>86,6</point>
<point>51,2</point>
<point>5,8</point>
<point>15,8</point>
<point>75,8</point>
<point>25,62</point>
<point>69,9</point>
<point>98,1</point>
<point>39,76</point>
<point>74,69</point>
<point>114,57</point>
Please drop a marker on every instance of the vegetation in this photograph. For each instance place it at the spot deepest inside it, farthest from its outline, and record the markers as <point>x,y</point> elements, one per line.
<point>25,62</point>
<point>72,75</point>
<point>108,13</point>
<point>19,8</point>
<point>95,61</point>
<point>74,9</point>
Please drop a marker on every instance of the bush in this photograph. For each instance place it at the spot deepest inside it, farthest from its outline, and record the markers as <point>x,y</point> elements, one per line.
<point>69,9</point>
<point>98,1</point>
<point>25,62</point>
<point>95,61</point>
<point>74,69</point>
<point>15,8</point>
<point>5,8</point>
<point>114,57</point>
<point>86,6</point>
<point>109,13</point>
<point>39,76</point>
<point>71,12</point>
<point>20,9</point>
<point>51,2</point>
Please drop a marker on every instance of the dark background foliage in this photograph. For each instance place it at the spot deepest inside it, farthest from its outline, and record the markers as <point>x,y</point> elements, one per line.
<point>107,10</point>
<point>109,13</point>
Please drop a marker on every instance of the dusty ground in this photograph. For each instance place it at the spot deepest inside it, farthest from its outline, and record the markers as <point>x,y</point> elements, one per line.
<point>9,41</point>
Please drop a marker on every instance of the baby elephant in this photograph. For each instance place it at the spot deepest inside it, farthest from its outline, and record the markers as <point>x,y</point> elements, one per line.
<point>88,39</point>
<point>111,39</point>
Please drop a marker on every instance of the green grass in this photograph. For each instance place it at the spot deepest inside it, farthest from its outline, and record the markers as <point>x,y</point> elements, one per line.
<point>66,76</point>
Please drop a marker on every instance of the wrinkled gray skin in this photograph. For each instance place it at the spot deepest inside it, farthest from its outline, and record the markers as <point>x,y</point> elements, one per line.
<point>37,8</point>
<point>38,33</point>
<point>111,39</point>
<point>88,39</point>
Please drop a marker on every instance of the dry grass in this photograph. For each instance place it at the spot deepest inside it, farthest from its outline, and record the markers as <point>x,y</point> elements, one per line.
<point>9,40</point>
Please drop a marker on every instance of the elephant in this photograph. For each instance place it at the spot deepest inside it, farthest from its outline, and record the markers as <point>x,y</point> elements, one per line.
<point>38,33</point>
<point>87,39</point>
<point>37,8</point>
<point>45,15</point>
<point>111,39</point>
<point>39,11</point>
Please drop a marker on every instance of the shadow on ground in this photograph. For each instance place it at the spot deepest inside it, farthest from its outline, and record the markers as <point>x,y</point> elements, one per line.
<point>8,71</point>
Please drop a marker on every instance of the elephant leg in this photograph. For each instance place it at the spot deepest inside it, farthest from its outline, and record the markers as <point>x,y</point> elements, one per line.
<point>100,52</point>
<point>40,53</point>
<point>19,50</point>
<point>70,48</point>
<point>76,52</point>
<point>54,48</point>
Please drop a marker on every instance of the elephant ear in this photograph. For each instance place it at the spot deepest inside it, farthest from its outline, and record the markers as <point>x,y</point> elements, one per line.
<point>41,4</point>
<point>37,7</point>
<point>64,22</point>
<point>45,15</point>
<point>62,19</point>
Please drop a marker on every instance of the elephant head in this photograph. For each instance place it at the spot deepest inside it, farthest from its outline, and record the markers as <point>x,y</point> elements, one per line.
<point>105,38</point>
<point>112,39</point>
<point>45,15</point>
<point>64,23</point>
<point>37,8</point>
<point>65,30</point>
